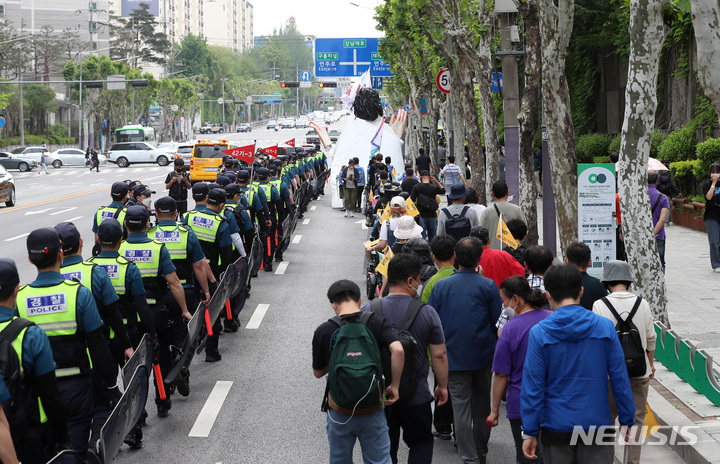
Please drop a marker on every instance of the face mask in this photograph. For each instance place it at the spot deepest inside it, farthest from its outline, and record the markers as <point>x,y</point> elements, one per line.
<point>418,289</point>
<point>147,202</point>
<point>509,308</point>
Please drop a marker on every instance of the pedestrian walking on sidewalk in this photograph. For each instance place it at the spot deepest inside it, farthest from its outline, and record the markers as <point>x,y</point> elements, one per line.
<point>712,215</point>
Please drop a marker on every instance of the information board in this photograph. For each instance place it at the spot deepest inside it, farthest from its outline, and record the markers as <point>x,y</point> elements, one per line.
<point>596,213</point>
<point>349,57</point>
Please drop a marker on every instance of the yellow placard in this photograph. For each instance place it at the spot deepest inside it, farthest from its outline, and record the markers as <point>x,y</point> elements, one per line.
<point>503,234</point>
<point>411,208</point>
<point>382,267</point>
<point>371,244</point>
<point>386,214</point>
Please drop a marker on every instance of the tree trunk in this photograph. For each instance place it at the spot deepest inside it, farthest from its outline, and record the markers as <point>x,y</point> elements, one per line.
<point>556,23</point>
<point>433,117</point>
<point>414,123</point>
<point>483,75</point>
<point>706,21</point>
<point>466,89</point>
<point>647,34</point>
<point>528,117</point>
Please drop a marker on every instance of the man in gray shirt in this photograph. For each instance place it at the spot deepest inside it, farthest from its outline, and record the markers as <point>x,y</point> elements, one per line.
<point>491,215</point>
<point>456,194</point>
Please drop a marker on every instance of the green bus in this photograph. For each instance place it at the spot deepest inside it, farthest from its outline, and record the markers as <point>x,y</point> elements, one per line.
<point>135,133</point>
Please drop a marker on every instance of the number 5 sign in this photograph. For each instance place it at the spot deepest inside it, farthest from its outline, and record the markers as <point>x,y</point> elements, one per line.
<point>443,80</point>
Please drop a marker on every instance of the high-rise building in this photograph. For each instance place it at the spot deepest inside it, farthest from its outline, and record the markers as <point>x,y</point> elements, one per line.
<point>229,23</point>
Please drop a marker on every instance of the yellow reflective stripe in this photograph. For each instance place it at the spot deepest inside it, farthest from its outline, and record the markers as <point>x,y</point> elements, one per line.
<point>149,301</point>
<point>119,289</point>
<point>148,271</point>
<point>176,251</point>
<point>208,237</point>
<point>67,371</point>
<point>58,326</point>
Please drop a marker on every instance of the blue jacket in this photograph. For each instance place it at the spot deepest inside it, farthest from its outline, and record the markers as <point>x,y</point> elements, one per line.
<point>569,358</point>
<point>468,305</point>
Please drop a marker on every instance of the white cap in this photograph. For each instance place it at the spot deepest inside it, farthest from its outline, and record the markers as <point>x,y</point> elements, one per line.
<point>397,202</point>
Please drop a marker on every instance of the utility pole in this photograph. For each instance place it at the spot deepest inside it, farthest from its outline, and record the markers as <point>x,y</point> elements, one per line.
<point>22,114</point>
<point>297,91</point>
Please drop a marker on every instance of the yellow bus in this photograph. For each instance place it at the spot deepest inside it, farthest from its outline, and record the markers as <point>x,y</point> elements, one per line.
<point>207,157</point>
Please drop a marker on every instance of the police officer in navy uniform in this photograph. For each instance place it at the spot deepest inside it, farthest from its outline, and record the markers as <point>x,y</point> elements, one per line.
<point>273,200</point>
<point>32,347</point>
<point>131,185</point>
<point>242,217</point>
<point>212,230</point>
<point>116,209</point>
<point>284,206</point>
<point>66,311</point>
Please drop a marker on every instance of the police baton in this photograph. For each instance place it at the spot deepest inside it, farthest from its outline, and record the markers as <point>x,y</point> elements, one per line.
<point>158,373</point>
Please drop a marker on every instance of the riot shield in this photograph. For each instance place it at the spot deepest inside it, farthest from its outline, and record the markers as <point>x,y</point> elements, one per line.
<point>179,371</point>
<point>287,233</point>
<point>241,273</point>
<point>256,253</point>
<point>314,187</point>
<point>141,357</point>
<point>126,414</point>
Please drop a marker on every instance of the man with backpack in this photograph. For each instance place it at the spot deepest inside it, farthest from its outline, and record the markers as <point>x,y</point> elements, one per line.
<point>458,219</point>
<point>501,208</point>
<point>418,328</point>
<point>347,348</point>
<point>423,195</point>
<point>33,357</point>
<point>634,326</point>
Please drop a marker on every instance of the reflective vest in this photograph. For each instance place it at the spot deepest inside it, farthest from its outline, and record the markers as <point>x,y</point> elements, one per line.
<point>107,212</point>
<point>266,189</point>
<point>205,224</point>
<point>54,309</point>
<point>249,195</point>
<point>17,345</point>
<point>276,183</point>
<point>175,239</point>
<point>116,268</point>
<point>146,257</point>
<point>82,272</point>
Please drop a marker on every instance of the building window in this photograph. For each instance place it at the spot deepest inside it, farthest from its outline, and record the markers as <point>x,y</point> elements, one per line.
<point>2,11</point>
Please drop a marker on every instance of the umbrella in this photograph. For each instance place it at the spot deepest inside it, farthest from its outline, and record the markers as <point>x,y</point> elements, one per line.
<point>655,165</point>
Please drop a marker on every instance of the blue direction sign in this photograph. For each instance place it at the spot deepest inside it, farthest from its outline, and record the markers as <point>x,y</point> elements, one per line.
<point>377,82</point>
<point>2,122</point>
<point>305,76</point>
<point>496,86</point>
<point>349,57</point>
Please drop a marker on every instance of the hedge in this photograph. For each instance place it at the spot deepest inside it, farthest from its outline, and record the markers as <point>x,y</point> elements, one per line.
<point>590,146</point>
<point>602,160</point>
<point>38,140</point>
<point>680,145</point>
<point>687,174</point>
<point>708,152</point>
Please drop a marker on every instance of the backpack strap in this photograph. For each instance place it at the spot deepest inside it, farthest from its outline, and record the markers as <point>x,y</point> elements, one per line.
<point>447,213</point>
<point>465,209</point>
<point>411,313</point>
<point>615,313</point>
<point>497,210</point>
<point>634,308</point>
<point>376,306</point>
<point>657,202</point>
<point>13,329</point>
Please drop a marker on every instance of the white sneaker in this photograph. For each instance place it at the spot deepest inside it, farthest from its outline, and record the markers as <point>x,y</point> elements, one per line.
<point>352,215</point>
<point>717,269</point>
<point>346,214</point>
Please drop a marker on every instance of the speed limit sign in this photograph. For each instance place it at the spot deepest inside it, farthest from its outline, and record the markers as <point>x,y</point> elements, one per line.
<point>443,80</point>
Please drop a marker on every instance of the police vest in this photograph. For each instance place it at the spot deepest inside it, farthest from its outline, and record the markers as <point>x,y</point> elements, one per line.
<point>82,272</point>
<point>276,183</point>
<point>54,309</point>
<point>146,257</point>
<point>17,345</point>
<point>175,239</point>
<point>266,189</point>
<point>205,225</point>
<point>116,268</point>
<point>107,212</point>
<point>249,195</point>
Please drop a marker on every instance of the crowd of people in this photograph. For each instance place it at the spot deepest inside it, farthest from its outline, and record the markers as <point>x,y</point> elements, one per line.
<point>65,335</point>
<point>496,323</point>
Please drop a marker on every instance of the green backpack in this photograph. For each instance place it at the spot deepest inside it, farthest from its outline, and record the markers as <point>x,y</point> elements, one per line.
<point>355,378</point>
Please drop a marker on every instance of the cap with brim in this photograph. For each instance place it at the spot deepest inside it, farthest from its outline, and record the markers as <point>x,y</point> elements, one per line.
<point>231,190</point>
<point>481,233</point>
<point>397,202</point>
<point>342,286</point>
<point>43,241</point>
<point>119,189</point>
<point>222,181</point>
<point>243,175</point>
<point>458,191</point>
<point>273,170</point>
<point>407,228</point>
<point>216,197</point>
<point>137,215</point>
<point>165,205</point>
<point>263,172</point>
<point>110,231</point>
<point>9,277</point>
<point>200,190</point>
<point>142,190</point>
<point>132,184</point>
<point>617,271</point>
<point>69,235</point>
<point>213,185</point>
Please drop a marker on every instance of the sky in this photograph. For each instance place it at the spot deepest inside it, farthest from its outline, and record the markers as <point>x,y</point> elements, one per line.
<point>321,18</point>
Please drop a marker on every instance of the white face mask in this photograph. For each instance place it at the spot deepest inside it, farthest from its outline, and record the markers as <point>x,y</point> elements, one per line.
<point>418,289</point>
<point>509,308</point>
<point>147,202</point>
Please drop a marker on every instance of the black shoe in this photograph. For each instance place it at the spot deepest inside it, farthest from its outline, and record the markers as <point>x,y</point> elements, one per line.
<point>93,455</point>
<point>278,258</point>
<point>143,418</point>
<point>443,435</point>
<point>254,275</point>
<point>268,267</point>
<point>212,356</point>
<point>133,440</point>
<point>163,407</point>
<point>342,209</point>
<point>231,326</point>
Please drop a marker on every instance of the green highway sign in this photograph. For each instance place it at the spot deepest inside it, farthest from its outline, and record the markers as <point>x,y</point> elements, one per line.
<point>327,56</point>
<point>354,43</point>
<point>376,56</point>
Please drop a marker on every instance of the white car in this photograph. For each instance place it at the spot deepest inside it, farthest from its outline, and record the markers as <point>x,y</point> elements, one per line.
<point>69,157</point>
<point>126,153</point>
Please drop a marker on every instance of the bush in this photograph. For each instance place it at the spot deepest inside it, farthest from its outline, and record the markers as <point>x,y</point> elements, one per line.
<point>708,153</point>
<point>687,174</point>
<point>658,137</point>
<point>58,130</point>
<point>615,144</point>
<point>602,160</point>
<point>680,145</point>
<point>590,146</point>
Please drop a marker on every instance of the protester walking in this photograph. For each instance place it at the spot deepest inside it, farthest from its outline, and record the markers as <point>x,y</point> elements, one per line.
<point>95,161</point>
<point>712,215</point>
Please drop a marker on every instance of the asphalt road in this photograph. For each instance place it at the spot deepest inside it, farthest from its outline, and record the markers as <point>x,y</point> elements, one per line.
<point>261,403</point>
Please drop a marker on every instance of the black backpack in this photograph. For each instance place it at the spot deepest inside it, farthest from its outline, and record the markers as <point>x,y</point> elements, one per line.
<point>426,205</point>
<point>457,226</point>
<point>630,340</point>
<point>410,373</point>
<point>21,409</point>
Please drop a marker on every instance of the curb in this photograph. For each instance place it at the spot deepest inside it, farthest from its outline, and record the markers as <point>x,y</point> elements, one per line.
<point>705,451</point>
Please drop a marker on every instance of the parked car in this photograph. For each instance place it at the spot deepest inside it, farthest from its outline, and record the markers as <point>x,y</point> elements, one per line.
<point>126,153</point>
<point>10,161</point>
<point>334,135</point>
<point>30,152</point>
<point>69,157</point>
<point>7,187</point>
<point>184,152</point>
<point>271,124</point>
<point>245,127</point>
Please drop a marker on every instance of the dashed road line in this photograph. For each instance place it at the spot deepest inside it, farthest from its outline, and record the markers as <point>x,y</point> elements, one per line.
<point>297,239</point>
<point>75,218</point>
<point>306,221</point>
<point>17,237</point>
<point>63,211</point>
<point>282,267</point>
<point>257,316</point>
<point>313,208</point>
<point>206,419</point>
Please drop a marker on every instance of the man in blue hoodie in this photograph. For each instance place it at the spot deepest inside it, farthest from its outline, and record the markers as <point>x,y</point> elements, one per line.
<point>570,356</point>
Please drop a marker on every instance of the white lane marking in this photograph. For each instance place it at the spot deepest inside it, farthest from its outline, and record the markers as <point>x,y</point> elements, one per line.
<point>16,237</point>
<point>257,316</point>
<point>282,267</point>
<point>206,419</point>
<point>97,183</point>
<point>75,218</point>
<point>63,211</point>
<point>313,208</point>
<point>361,221</point>
<point>296,239</point>
<point>157,177</point>
<point>39,211</point>
<point>306,221</point>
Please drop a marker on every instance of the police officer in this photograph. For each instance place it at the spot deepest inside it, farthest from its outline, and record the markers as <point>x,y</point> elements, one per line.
<point>158,273</point>
<point>116,209</point>
<point>274,204</point>
<point>178,183</point>
<point>34,354</point>
<point>242,218</point>
<point>199,194</point>
<point>284,206</point>
<point>142,196</point>
<point>213,232</point>
<point>132,185</point>
<point>66,311</point>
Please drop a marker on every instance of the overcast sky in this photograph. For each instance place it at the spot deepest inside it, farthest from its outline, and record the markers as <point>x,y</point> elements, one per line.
<point>321,18</point>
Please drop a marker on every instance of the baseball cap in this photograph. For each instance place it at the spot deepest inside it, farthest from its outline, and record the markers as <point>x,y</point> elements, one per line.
<point>243,175</point>
<point>397,202</point>
<point>231,190</point>
<point>69,235</point>
<point>119,189</point>
<point>342,286</point>
<point>142,190</point>
<point>273,170</point>
<point>137,215</point>
<point>232,176</point>
<point>200,190</point>
<point>615,271</point>
<point>9,277</point>
<point>110,231</point>
<point>165,205</point>
<point>43,241</point>
<point>222,181</point>
<point>213,185</point>
<point>480,233</point>
<point>263,172</point>
<point>216,196</point>
<point>131,184</point>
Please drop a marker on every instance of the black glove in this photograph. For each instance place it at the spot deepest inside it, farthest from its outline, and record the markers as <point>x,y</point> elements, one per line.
<point>213,286</point>
<point>155,350</point>
<point>115,395</point>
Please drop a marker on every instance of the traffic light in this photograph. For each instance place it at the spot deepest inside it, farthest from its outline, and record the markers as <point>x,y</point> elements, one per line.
<point>323,85</point>
<point>319,102</point>
<point>93,84</point>
<point>289,84</point>
<point>139,82</point>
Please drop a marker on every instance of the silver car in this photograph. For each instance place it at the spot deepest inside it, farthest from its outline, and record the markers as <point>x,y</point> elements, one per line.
<point>69,157</point>
<point>10,161</point>
<point>126,153</point>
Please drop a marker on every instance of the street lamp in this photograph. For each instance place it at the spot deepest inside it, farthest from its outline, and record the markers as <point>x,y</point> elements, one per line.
<point>224,79</point>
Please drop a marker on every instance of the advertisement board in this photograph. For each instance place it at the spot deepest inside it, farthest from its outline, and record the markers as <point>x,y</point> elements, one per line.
<point>129,5</point>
